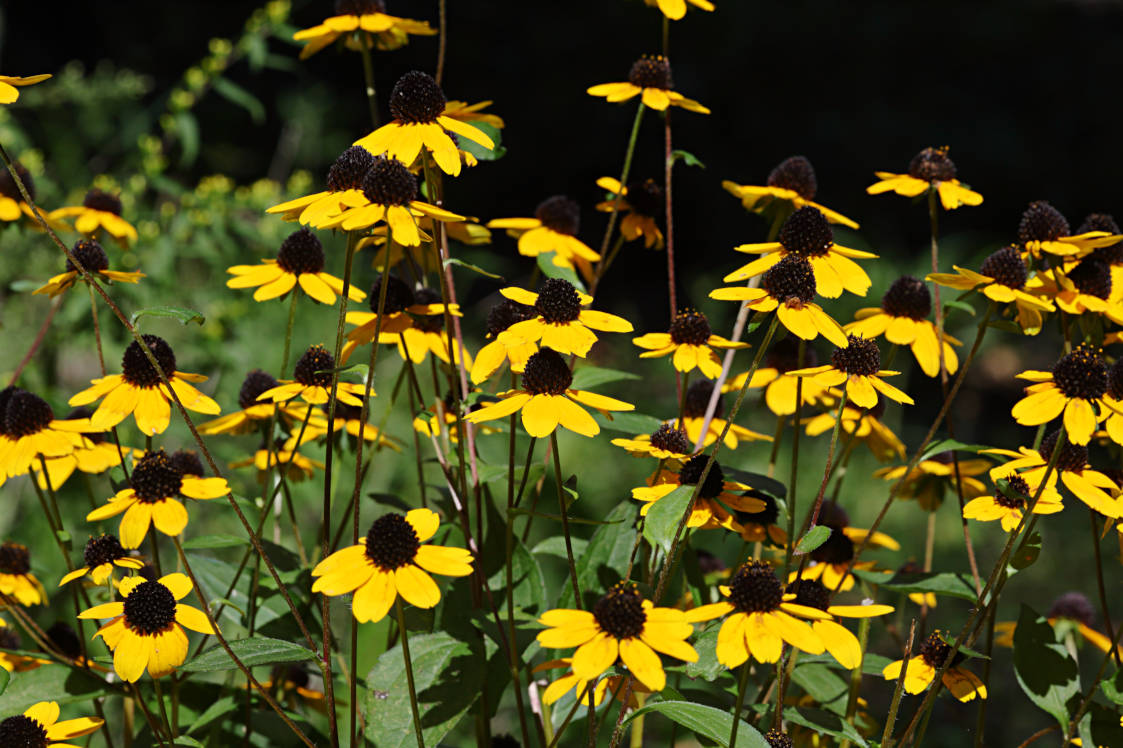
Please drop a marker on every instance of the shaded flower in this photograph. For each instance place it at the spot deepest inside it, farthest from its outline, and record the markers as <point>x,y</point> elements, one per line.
<point>711,509</point>
<point>1075,388</point>
<point>491,356</point>
<point>1044,229</point>
<point>762,526</point>
<point>427,334</point>
<point>931,169</point>
<point>842,645</point>
<point>348,420</point>
<point>299,260</point>
<point>312,382</point>
<point>903,319</point>
<point>692,343</point>
<point>864,423</point>
<point>665,443</point>
<point>1009,505</point>
<point>29,430</point>
<point>833,561</point>
<point>1001,278</point>
<point>858,366</point>
<point>921,671</point>
<point>650,79</point>
<point>252,413</point>
<point>39,725</point>
<point>676,9</point>
<point>361,23</point>
<point>93,456</point>
<point>790,186</point>
<point>10,661</point>
<point>411,319</point>
<point>935,476</point>
<point>296,466</point>
<point>560,322</point>
<point>638,202</point>
<point>1086,287</point>
<point>101,554</point>
<point>554,229</point>
<point>93,258</point>
<point>16,579</point>
<point>779,390</point>
<point>695,402</point>
<point>99,210</point>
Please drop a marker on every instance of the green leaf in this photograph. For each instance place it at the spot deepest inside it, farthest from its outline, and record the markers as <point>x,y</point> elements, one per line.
<point>187,130</point>
<point>235,94</point>
<point>214,541</point>
<point>587,377</point>
<point>187,742</point>
<point>5,678</point>
<point>687,157</point>
<point>607,555</point>
<point>473,268</point>
<point>550,270</point>
<point>665,515</point>
<point>23,286</point>
<point>823,685</point>
<point>962,306</point>
<point>707,667</point>
<point>1005,325</point>
<point>1113,687</point>
<point>824,723</point>
<point>954,585</point>
<point>1026,553</point>
<point>706,721</point>
<point>555,546</point>
<point>627,423</point>
<point>448,676</point>
<point>770,486</point>
<point>479,151</point>
<point>175,312</point>
<point>1046,671</point>
<point>259,650</point>
<point>814,538</point>
<point>951,445</point>
<point>50,682</point>
<point>213,712</point>
<point>530,586</point>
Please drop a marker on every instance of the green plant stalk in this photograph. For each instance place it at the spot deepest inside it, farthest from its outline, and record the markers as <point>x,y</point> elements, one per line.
<point>627,170</point>
<point>404,636</point>
<point>668,168</point>
<point>818,506</point>
<point>898,690</point>
<point>568,717</point>
<point>856,676</point>
<point>37,340</point>
<point>288,333</point>
<point>564,511</point>
<point>793,475</point>
<point>171,728</point>
<point>365,42</point>
<point>980,720</point>
<point>1100,582</point>
<point>742,686</point>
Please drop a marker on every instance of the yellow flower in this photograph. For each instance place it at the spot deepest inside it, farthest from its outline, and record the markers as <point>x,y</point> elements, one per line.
<point>554,229</point>
<point>465,112</point>
<point>93,258</point>
<point>1111,255</point>
<point>39,725</point>
<point>427,334</point>
<point>676,9</point>
<point>393,560</point>
<point>858,366</point>
<point>312,382</point>
<point>546,401</point>
<point>8,85</point>
<point>931,169</point>
<point>864,423</point>
<point>360,22</point>
<point>711,509</point>
<point>14,663</point>
<point>93,456</point>
<point>491,356</point>
<point>780,391</point>
<point>691,341</point>
<point>30,430</point>
<point>296,466</point>
<point>696,401</point>
<point>1002,278</point>
<point>418,106</point>
<point>253,413</point>
<point>138,391</point>
<point>639,203</point>
<point>101,554</point>
<point>933,477</point>
<point>842,645</point>
<point>833,561</point>
<point>411,319</point>
<point>1009,506</point>
<point>570,682</point>
<point>344,187</point>
<point>650,79</point>
<point>1113,400</point>
<point>99,210</point>
<point>1075,388</point>
<point>299,260</point>
<point>919,598</point>
<point>16,579</point>
<point>622,625</point>
<point>761,526</point>
<point>666,443</point>
<point>759,618</point>
<point>807,234</point>
<point>560,322</point>
<point>146,630</point>
<point>12,205</point>
<point>963,684</point>
<point>428,422</point>
<point>788,288</point>
<point>348,421</point>
<point>1043,229</point>
<point>790,186</point>
<point>1070,610</point>
<point>1087,287</point>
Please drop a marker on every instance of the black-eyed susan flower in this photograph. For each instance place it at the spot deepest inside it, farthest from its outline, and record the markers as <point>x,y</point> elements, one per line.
<point>1071,610</point>
<point>833,561</point>
<point>712,508</point>
<point>138,391</point>
<point>388,194</point>
<point>676,9</point>
<point>92,257</point>
<point>252,413</point>
<point>903,319</point>
<point>807,233</point>
<point>427,334</point>
<point>419,312</point>
<point>788,288</point>
<point>692,343</point>
<point>695,402</point>
<point>638,203</point>
<point>1044,229</point>
<point>12,205</point>
<point>570,682</point>
<point>312,382</point>
<point>864,424</point>
<point>560,322</point>
<point>934,477</point>
<point>152,498</point>
<point>1075,388</point>
<point>393,560</point>
<point>622,625</point>
<point>425,258</point>
<point>10,85</point>
<point>779,390</point>
<point>789,187</point>
<point>99,210</point>
<point>101,555</point>
<point>1009,506</point>
<point>1113,399</point>
<point>554,229</point>
<point>348,420</point>
<point>666,443</point>
<point>759,618</point>
<point>418,104</point>
<point>146,630</point>
<point>361,23</point>
<point>650,79</point>
<point>839,641</point>
<point>963,684</point>
<point>283,455</point>
<point>1086,287</point>
<point>93,456</point>
<point>344,187</point>
<point>491,356</point>
<point>29,430</point>
<point>300,260</point>
<point>16,579</point>
<point>931,169</point>
<point>546,401</point>
<point>1002,278</point>
<point>919,598</point>
<point>466,112</point>
<point>858,366</point>
<point>1111,255</point>
<point>38,727</point>
<point>761,526</point>
<point>9,660</point>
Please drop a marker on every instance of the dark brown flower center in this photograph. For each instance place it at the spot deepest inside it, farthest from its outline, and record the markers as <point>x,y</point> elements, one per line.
<point>807,233</point>
<point>428,322</point>
<point>698,399</point>
<point>1007,268</point>
<point>1017,486</point>
<point>646,197</point>
<point>1112,255</point>
<point>934,651</point>
<point>358,7</point>
<point>861,357</point>
<point>150,608</point>
<point>777,739</point>
<point>138,370</point>
<point>811,593</point>
<point>349,169</point>
<point>790,281</point>
<point>26,414</point>
<point>63,638</point>
<point>619,612</point>
<point>8,187</point>
<point>1041,222</point>
<point>90,255</point>
<point>671,439</point>
<point>389,182</point>
<point>1092,277</point>
<point>314,367</point>
<point>766,516</point>
<point>104,549</point>
<point>417,98</point>
<point>14,558</point>
<point>187,462</point>
<point>558,302</point>
<point>399,295</point>
<point>155,478</point>
<point>392,542</point>
<point>100,200</point>
<point>690,328</point>
<point>546,373</point>
<point>755,588</point>
<point>795,173</point>
<point>301,252</point>
<point>1115,379</point>
<point>1074,606</point>
<point>932,165</point>
<point>255,383</point>
<point>560,214</point>
<point>23,732</point>
<point>1082,373</point>
<point>837,550</point>
<point>1073,457</point>
<point>506,313</point>
<point>692,473</point>
<point>908,297</point>
<point>833,515</point>
<point>783,356</point>
<point>651,72</point>
<point>9,639</point>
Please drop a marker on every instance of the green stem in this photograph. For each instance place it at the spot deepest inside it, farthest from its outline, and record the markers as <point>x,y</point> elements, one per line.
<point>898,690</point>
<point>619,197</point>
<point>509,536</point>
<point>288,333</point>
<point>404,635</point>
<point>742,686</point>
<point>368,78</point>
<point>563,509</point>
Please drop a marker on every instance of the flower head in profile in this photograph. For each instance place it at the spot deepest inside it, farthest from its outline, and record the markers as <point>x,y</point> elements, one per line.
<point>858,367</point>
<point>427,334</point>
<point>1044,229</point>
<point>29,430</point>
<point>94,455</point>
<point>833,561</point>
<point>546,401</point>
<point>650,79</point>
<point>554,228</point>
<point>361,23</point>
<point>147,629</point>
<point>931,169</point>
<point>92,257</point>
<point>935,476</point>
<point>9,660</point>
<point>715,502</point>
<point>1088,286</point>
<point>865,424</point>
<point>1002,278</point>
<point>418,105</point>
<point>99,210</point>
<point>808,234</point>
<point>762,526</point>
<point>691,341</point>
<point>491,356</point>
<point>1075,388</point>
<point>283,458</point>
<point>789,187</point>
<point>412,319</point>
<point>667,442</point>
<point>1071,610</point>
<point>903,319</point>
<point>1113,400</point>
<point>393,560</point>
<point>12,205</point>
<point>1112,254</point>
<point>344,187</point>
<point>311,381</point>
<point>348,420</point>
<point>138,391</point>
<point>1010,502</point>
<point>780,391</point>
<point>638,202</point>
<point>10,85</point>
<point>16,579</point>
<point>934,652</point>
<point>251,413</point>
<point>101,555</point>
<point>621,626</point>
<point>676,9</point>
<point>560,321</point>
<point>300,260</point>
<point>38,727</point>
<point>695,403</point>
<point>839,641</point>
